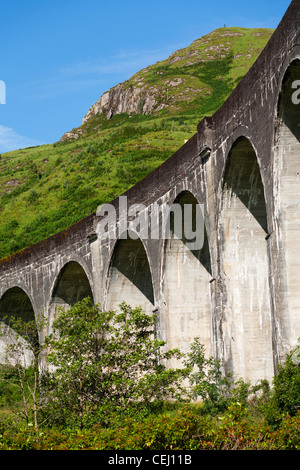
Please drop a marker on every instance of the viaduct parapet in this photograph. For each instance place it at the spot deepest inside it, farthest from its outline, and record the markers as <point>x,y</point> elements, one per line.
<point>240,292</point>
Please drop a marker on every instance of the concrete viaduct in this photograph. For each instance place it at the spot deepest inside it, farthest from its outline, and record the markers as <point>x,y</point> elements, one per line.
<point>239,293</point>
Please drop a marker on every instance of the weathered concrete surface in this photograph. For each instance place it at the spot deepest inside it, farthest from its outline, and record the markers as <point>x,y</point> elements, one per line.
<point>186,290</point>
<point>247,325</point>
<point>239,293</point>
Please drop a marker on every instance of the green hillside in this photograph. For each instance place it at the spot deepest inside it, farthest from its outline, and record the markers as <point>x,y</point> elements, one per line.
<point>48,188</point>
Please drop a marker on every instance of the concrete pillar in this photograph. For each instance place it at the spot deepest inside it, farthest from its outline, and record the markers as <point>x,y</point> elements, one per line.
<point>186,292</point>
<point>287,209</point>
<point>247,326</point>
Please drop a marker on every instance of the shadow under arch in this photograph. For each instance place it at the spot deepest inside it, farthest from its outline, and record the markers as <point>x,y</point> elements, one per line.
<point>15,303</point>
<point>129,276</point>
<point>242,180</point>
<point>186,278</point>
<point>71,286</point>
<point>287,184</point>
<point>246,324</point>
<point>191,230</point>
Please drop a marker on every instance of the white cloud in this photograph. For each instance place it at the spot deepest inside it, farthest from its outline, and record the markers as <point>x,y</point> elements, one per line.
<point>10,140</point>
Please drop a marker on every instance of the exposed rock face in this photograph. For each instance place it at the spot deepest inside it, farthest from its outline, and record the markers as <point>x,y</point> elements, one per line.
<point>124,99</point>
<point>71,135</point>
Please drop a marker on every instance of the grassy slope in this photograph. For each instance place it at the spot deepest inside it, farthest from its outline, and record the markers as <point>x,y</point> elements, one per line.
<point>48,188</point>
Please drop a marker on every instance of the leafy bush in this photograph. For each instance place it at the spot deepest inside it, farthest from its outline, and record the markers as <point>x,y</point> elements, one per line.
<point>109,363</point>
<point>285,397</point>
<point>207,379</point>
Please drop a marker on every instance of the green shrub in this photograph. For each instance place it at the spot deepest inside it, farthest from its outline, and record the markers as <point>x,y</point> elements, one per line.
<point>285,396</point>
<point>207,379</point>
<point>107,365</point>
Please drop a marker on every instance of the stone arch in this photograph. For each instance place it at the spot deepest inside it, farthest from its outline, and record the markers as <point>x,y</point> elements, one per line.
<point>129,275</point>
<point>243,231</point>
<point>187,278</point>
<point>71,286</point>
<point>287,206</point>
<point>15,302</point>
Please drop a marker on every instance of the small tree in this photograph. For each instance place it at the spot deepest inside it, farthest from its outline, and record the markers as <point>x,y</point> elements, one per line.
<point>21,371</point>
<point>206,378</point>
<point>106,362</point>
<point>285,395</point>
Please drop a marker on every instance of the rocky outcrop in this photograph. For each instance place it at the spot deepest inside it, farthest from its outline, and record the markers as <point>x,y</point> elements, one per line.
<point>71,135</point>
<point>124,98</point>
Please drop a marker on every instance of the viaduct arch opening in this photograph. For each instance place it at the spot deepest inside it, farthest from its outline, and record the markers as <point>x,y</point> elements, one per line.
<point>186,286</point>
<point>71,286</point>
<point>129,276</point>
<point>15,303</point>
<point>246,322</point>
<point>287,157</point>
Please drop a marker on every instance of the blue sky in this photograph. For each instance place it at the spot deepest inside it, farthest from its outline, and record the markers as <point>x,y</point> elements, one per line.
<point>58,57</point>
